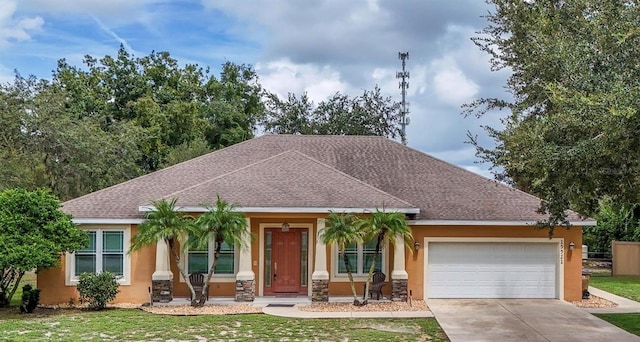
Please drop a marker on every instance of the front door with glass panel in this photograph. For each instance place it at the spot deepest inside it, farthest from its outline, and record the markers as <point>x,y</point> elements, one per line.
<point>285,261</point>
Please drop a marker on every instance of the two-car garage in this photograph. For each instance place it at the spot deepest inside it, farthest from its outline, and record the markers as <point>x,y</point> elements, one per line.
<point>492,268</point>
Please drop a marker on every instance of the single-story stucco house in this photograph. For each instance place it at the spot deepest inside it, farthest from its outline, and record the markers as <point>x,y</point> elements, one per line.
<point>474,238</point>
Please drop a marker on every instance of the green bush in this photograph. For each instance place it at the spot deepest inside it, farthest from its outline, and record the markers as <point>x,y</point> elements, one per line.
<point>30,299</point>
<point>98,289</point>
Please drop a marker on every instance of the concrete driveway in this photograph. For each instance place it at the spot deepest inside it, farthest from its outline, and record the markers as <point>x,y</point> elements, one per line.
<point>521,320</point>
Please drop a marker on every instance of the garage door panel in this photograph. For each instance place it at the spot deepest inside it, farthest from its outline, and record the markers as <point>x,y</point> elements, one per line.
<point>491,270</point>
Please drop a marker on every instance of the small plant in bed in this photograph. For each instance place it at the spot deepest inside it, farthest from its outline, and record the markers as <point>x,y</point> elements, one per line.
<point>30,299</point>
<point>98,289</point>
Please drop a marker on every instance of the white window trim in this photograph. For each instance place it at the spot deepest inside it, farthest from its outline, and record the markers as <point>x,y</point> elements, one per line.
<point>336,259</point>
<point>71,279</point>
<point>219,278</point>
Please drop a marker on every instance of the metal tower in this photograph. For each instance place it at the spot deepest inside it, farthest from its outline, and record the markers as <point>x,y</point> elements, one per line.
<point>403,85</point>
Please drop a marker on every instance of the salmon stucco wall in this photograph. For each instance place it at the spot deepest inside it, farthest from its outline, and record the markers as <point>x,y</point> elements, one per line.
<point>572,259</point>
<point>51,281</point>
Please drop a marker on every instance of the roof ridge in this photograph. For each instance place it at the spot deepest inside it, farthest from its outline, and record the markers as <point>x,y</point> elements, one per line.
<point>227,173</point>
<point>354,178</point>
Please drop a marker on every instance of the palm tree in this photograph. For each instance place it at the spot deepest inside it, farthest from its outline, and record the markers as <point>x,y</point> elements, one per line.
<point>384,227</point>
<point>166,223</point>
<point>343,230</point>
<point>219,224</point>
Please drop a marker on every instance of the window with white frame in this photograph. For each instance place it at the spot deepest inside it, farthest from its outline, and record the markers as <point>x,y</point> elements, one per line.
<point>200,259</point>
<point>360,257</point>
<point>106,252</point>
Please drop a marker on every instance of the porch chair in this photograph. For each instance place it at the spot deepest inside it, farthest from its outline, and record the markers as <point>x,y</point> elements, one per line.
<point>377,283</point>
<point>197,281</point>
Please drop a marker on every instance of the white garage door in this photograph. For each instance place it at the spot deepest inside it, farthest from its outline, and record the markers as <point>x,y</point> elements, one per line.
<point>492,270</point>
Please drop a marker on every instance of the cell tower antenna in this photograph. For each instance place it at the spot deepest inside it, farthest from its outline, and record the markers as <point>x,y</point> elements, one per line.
<point>403,85</point>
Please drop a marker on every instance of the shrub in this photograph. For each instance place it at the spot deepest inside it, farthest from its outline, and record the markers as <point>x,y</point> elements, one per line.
<point>98,289</point>
<point>30,299</point>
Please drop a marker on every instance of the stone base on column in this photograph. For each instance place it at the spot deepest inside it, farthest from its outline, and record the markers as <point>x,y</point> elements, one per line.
<point>320,290</point>
<point>399,290</point>
<point>245,291</point>
<point>162,291</point>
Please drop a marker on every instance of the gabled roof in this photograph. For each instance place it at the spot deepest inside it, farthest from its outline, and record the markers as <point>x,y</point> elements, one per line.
<point>292,180</point>
<point>319,172</point>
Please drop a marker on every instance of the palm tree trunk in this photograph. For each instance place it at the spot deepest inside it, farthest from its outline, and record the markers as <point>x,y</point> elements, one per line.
<point>372,267</point>
<point>205,288</point>
<point>347,265</point>
<point>184,274</point>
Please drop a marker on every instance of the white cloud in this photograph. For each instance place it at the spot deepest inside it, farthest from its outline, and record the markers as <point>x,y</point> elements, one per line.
<point>450,83</point>
<point>282,77</point>
<point>16,29</point>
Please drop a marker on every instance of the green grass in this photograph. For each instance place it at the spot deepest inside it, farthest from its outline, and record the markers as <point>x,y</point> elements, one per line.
<point>628,322</point>
<point>627,287</point>
<point>28,278</point>
<point>135,325</point>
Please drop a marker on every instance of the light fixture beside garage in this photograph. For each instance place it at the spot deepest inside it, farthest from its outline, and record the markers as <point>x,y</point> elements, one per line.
<point>572,246</point>
<point>416,245</point>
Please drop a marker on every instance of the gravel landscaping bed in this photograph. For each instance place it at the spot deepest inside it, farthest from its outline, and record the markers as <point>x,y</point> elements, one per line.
<point>188,310</point>
<point>594,302</point>
<point>417,305</point>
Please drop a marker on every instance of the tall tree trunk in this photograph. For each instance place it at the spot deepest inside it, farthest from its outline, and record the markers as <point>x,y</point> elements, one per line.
<point>205,288</point>
<point>372,267</point>
<point>184,274</point>
<point>347,265</point>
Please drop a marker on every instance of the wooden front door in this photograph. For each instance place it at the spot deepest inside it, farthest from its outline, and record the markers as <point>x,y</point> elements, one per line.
<point>286,261</point>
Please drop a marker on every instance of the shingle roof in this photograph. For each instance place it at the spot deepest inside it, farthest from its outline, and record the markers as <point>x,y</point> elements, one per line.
<point>292,180</point>
<point>318,171</point>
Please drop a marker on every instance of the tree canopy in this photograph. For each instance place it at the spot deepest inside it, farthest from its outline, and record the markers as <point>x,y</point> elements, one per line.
<point>118,117</point>
<point>366,114</point>
<point>570,137</point>
<point>34,232</point>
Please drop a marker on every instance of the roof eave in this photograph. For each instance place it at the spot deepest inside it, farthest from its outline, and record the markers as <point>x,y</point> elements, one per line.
<point>489,223</point>
<point>294,210</point>
<point>95,220</point>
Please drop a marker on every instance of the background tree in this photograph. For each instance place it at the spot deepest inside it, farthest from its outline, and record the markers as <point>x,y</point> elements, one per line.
<point>116,118</point>
<point>219,224</point>
<point>615,222</point>
<point>385,227</point>
<point>571,135</point>
<point>344,230</point>
<point>173,106</point>
<point>367,114</point>
<point>34,232</point>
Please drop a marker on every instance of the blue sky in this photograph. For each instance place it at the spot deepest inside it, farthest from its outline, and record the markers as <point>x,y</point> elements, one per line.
<point>319,47</point>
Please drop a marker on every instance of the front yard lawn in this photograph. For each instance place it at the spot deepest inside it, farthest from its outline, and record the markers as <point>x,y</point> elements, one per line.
<point>628,322</point>
<point>628,287</point>
<point>136,325</point>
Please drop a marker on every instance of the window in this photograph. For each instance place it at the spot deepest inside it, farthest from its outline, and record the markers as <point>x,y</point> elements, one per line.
<point>360,257</point>
<point>106,251</point>
<point>200,259</point>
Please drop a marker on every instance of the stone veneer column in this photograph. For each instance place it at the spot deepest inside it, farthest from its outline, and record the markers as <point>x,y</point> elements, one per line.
<point>245,279</point>
<point>399,276</point>
<point>162,278</point>
<point>320,275</point>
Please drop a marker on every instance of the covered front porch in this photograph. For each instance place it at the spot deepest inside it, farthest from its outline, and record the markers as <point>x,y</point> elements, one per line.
<point>285,262</point>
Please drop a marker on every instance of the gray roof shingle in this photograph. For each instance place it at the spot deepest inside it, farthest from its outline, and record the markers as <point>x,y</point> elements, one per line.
<point>319,171</point>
